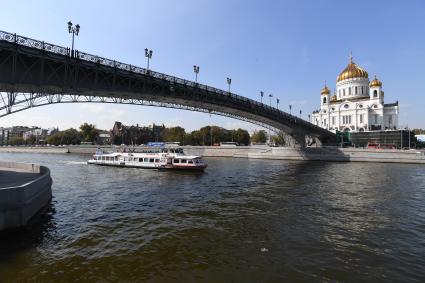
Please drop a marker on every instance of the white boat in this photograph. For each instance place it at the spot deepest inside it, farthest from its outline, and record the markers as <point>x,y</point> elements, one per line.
<point>164,158</point>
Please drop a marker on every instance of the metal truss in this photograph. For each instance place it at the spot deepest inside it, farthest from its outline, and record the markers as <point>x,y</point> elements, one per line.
<point>33,65</point>
<point>15,102</point>
<point>56,49</point>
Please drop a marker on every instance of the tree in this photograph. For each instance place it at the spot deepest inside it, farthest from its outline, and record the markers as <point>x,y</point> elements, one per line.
<point>174,134</point>
<point>16,141</point>
<point>259,137</point>
<point>70,136</point>
<point>241,137</point>
<point>89,132</point>
<point>278,139</point>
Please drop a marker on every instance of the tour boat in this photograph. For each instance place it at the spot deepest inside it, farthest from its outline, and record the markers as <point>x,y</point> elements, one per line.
<point>165,158</point>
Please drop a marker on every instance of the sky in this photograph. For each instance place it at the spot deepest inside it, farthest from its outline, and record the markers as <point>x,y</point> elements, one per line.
<point>285,48</point>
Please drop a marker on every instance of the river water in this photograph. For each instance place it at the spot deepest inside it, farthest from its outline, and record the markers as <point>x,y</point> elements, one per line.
<point>240,221</point>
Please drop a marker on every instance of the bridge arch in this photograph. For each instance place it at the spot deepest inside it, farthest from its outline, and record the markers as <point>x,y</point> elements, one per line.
<point>34,73</point>
<point>25,101</point>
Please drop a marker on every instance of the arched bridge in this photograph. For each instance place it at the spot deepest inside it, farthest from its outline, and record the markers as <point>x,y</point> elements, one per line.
<point>34,73</point>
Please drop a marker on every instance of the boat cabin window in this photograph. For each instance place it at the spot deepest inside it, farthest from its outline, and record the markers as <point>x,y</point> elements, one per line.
<point>156,160</point>
<point>145,159</point>
<point>184,161</point>
<point>176,160</point>
<point>151,160</point>
<point>190,161</point>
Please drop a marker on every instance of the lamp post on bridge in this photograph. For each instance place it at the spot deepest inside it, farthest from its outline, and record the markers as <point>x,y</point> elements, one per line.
<point>290,108</point>
<point>75,30</point>
<point>229,82</point>
<point>270,98</point>
<point>148,54</point>
<point>309,118</point>
<point>261,94</point>
<point>196,70</point>
<point>277,103</point>
<point>301,113</point>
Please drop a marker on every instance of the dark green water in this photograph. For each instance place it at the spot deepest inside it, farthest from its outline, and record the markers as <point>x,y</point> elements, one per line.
<point>241,221</point>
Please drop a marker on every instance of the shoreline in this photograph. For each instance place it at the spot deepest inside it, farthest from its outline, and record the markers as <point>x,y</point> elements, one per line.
<point>332,154</point>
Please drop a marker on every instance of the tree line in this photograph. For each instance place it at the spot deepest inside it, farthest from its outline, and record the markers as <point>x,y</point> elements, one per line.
<point>205,136</point>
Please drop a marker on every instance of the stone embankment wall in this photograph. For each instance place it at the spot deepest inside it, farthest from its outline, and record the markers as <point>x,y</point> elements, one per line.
<point>339,154</point>
<point>264,152</point>
<point>20,202</point>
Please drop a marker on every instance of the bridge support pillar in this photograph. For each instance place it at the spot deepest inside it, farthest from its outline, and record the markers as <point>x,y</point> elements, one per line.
<point>296,140</point>
<point>318,142</point>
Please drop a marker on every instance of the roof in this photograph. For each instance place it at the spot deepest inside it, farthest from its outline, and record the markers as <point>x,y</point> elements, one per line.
<point>391,104</point>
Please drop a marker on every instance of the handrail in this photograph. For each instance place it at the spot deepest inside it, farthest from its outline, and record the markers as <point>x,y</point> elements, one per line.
<point>56,49</point>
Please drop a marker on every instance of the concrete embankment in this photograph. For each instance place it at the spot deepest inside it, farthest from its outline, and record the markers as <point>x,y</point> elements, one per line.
<point>24,190</point>
<point>262,152</point>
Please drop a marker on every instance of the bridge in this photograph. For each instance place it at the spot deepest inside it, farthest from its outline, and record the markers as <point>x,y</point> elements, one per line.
<point>35,73</point>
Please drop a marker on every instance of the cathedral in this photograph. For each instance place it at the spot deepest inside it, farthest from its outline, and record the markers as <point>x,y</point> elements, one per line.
<point>357,104</point>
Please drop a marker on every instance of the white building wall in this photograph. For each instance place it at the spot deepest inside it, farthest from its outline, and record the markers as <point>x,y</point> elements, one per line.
<point>347,111</point>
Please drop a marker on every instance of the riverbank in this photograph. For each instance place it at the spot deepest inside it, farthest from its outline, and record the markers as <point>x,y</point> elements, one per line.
<point>263,152</point>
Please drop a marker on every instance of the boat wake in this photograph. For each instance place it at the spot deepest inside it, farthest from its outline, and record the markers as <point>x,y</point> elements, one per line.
<point>75,162</point>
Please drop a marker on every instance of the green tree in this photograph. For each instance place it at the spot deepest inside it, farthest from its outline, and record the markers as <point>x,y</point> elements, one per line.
<point>241,136</point>
<point>16,141</point>
<point>278,139</point>
<point>89,132</point>
<point>54,139</point>
<point>174,134</point>
<point>70,136</point>
<point>259,137</point>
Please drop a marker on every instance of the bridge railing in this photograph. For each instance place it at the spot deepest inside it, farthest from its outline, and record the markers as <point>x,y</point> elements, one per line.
<point>29,42</point>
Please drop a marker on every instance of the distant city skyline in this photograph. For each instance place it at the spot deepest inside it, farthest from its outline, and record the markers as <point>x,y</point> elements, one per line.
<point>287,49</point>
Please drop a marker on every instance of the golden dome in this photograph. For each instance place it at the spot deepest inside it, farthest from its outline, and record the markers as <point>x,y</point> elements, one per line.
<point>334,98</point>
<point>375,82</point>
<point>352,71</point>
<point>325,90</point>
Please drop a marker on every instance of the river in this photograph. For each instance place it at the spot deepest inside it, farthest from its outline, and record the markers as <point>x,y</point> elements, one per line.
<point>241,221</point>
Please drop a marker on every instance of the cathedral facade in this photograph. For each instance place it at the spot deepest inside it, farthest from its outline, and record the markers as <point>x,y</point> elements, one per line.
<point>357,104</point>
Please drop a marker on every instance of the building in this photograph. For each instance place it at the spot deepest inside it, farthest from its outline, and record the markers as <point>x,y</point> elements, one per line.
<point>104,138</point>
<point>357,104</point>
<point>27,135</point>
<point>135,135</point>
<point>12,134</point>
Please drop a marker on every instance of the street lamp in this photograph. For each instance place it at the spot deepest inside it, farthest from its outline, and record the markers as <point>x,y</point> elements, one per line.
<point>148,54</point>
<point>277,103</point>
<point>290,108</point>
<point>196,70</point>
<point>75,30</point>
<point>270,97</point>
<point>309,117</point>
<point>262,94</point>
<point>229,82</point>
<point>300,113</point>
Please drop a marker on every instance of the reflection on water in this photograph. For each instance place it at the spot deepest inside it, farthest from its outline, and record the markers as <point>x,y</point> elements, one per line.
<point>241,221</point>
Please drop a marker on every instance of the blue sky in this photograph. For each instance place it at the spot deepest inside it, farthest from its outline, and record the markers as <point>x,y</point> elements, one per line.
<point>287,48</point>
